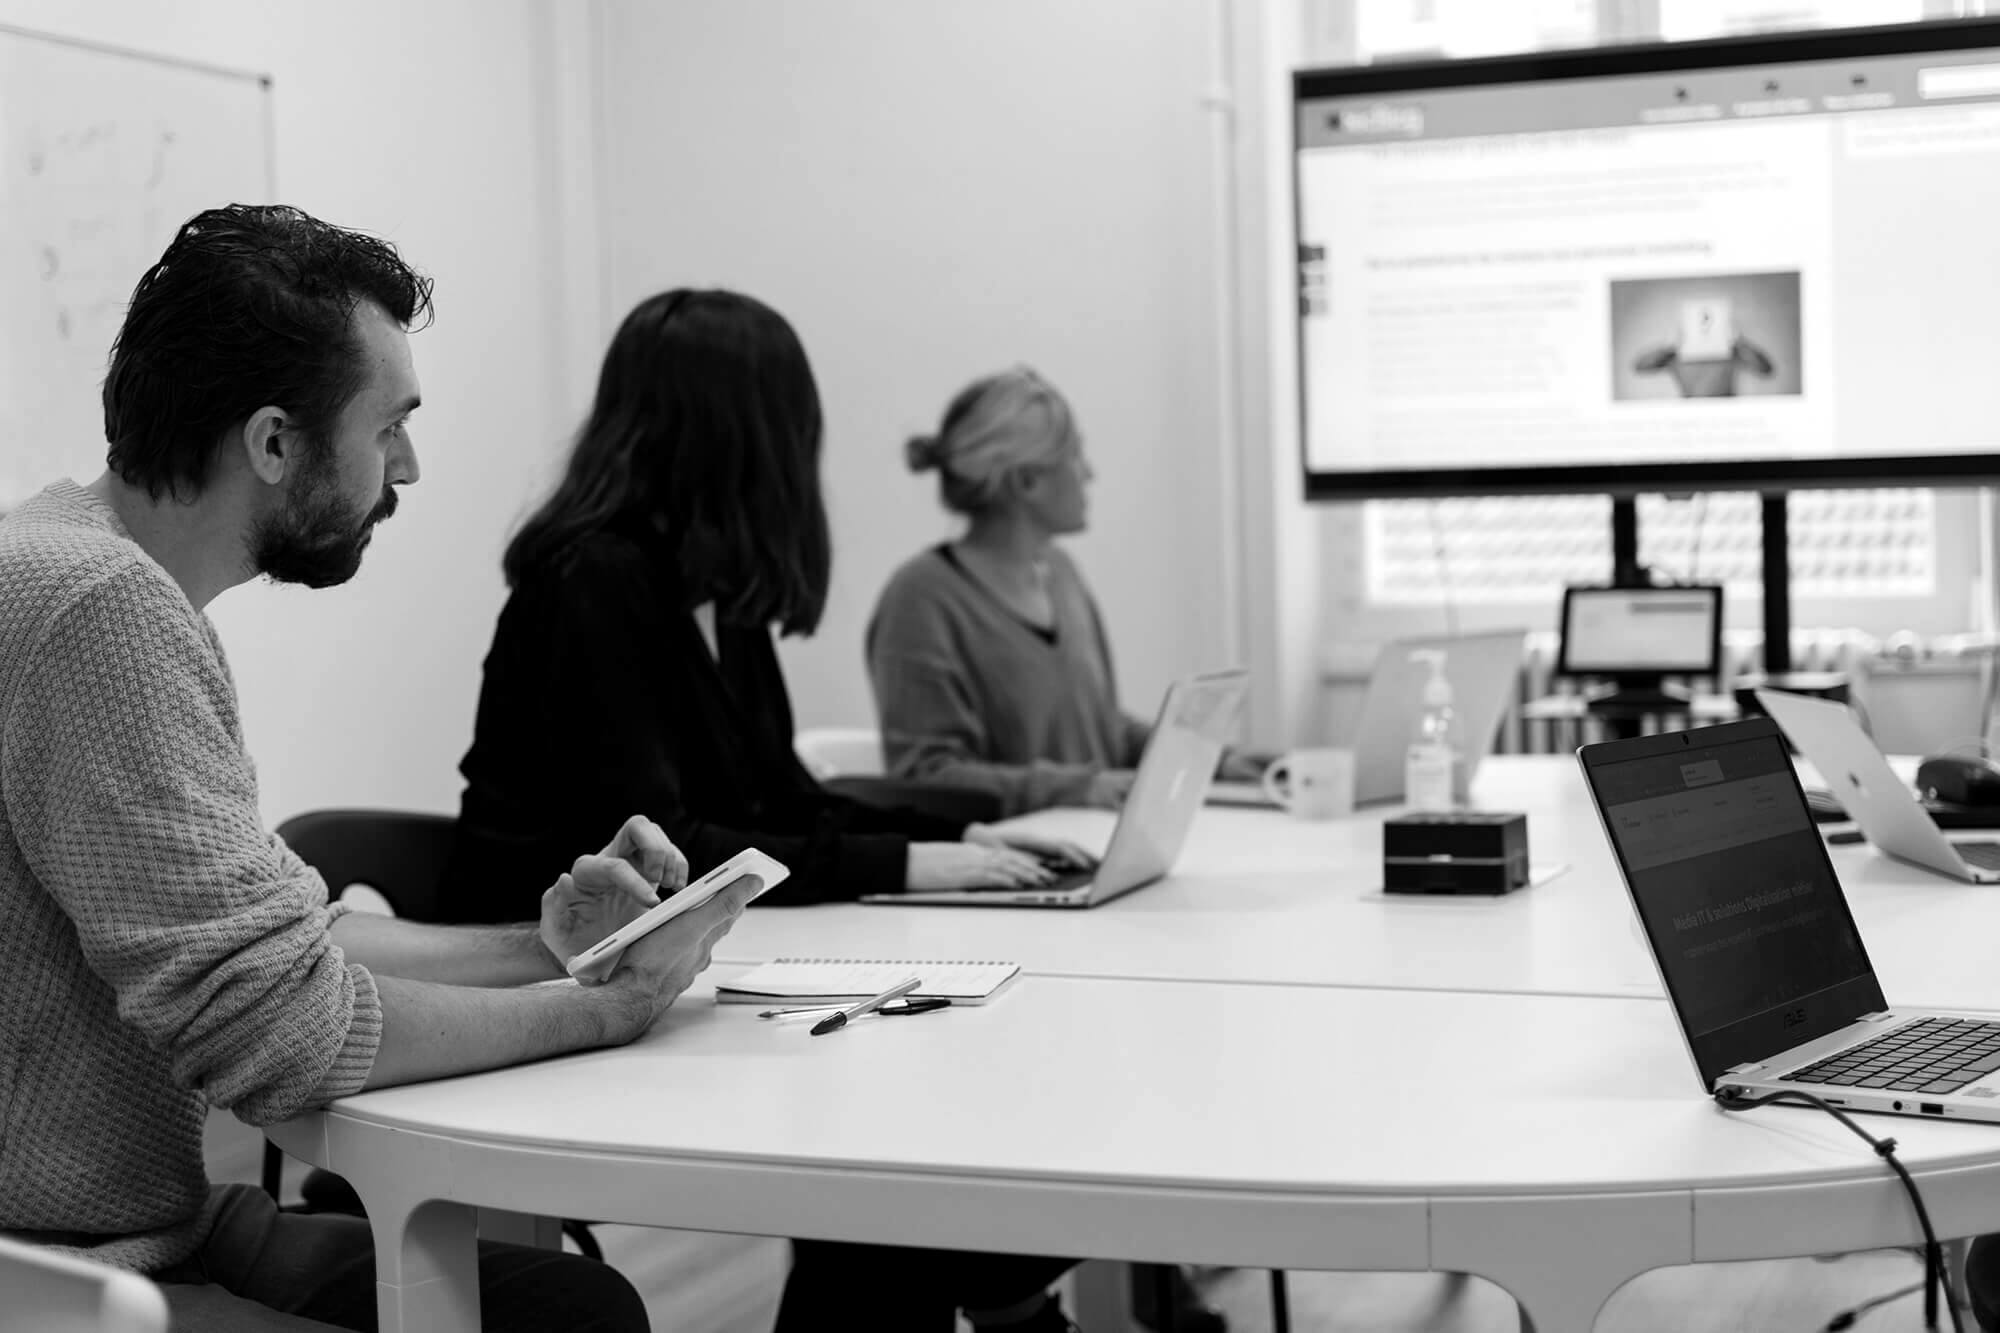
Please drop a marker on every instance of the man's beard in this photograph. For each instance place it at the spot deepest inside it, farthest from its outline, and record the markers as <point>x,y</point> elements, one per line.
<point>315,539</point>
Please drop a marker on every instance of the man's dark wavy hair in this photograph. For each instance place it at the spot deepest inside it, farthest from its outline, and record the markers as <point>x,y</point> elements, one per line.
<point>250,307</point>
<point>706,428</point>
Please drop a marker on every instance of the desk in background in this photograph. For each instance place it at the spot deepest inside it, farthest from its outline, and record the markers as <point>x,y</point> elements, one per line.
<point>1260,898</point>
<point>1572,713</point>
<point>1699,710</point>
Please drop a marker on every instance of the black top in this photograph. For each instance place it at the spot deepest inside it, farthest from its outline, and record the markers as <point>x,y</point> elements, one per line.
<point>601,701</point>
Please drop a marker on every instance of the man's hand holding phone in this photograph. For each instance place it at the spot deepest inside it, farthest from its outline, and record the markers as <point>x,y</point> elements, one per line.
<point>749,873</point>
<point>603,892</point>
<point>651,972</point>
<point>641,968</point>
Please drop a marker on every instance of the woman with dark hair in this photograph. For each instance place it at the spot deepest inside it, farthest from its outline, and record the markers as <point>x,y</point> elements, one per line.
<point>633,666</point>
<point>633,669</point>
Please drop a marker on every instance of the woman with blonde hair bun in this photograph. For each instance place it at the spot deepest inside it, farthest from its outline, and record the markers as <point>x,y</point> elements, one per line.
<point>989,660</point>
<point>988,656</point>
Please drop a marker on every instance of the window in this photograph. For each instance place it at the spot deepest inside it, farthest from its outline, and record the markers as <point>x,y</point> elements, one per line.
<point>1845,545</point>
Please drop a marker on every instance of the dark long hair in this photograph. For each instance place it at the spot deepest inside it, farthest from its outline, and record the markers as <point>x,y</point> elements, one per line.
<point>706,427</point>
<point>251,306</point>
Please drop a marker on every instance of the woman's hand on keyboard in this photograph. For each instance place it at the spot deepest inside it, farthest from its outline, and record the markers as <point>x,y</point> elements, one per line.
<point>1058,854</point>
<point>969,865</point>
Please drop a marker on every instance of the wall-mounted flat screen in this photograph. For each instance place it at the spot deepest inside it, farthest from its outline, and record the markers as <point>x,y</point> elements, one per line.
<point>1753,263</point>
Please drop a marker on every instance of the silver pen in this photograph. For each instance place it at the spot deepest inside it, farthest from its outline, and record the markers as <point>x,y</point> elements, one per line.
<point>834,1022</point>
<point>795,1013</point>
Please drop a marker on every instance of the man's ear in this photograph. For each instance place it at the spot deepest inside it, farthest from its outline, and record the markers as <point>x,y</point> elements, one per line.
<point>271,444</point>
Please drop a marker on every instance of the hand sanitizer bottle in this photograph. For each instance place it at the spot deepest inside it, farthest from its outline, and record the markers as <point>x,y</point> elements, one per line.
<point>1434,767</point>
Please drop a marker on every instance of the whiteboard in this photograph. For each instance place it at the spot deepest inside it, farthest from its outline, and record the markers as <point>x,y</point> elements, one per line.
<point>103,154</point>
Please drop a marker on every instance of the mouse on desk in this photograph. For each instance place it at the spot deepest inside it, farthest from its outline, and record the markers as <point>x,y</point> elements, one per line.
<point>1959,779</point>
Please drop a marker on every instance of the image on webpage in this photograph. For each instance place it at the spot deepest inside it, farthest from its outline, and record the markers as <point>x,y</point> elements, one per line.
<point>1722,335</point>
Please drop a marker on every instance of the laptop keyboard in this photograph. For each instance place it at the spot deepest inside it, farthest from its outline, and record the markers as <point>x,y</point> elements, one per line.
<point>1979,855</point>
<point>1926,1055</point>
<point>1066,875</point>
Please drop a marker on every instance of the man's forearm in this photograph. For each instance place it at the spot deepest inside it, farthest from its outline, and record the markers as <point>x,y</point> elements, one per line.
<point>433,1031</point>
<point>454,955</point>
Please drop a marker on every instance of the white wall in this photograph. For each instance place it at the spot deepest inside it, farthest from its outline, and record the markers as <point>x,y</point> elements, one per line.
<point>929,192</point>
<point>1286,565</point>
<point>432,124</point>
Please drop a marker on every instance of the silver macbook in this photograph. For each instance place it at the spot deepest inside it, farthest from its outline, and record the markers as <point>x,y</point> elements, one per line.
<point>1885,806</point>
<point>1484,671</point>
<point>1753,938</point>
<point>1196,720</point>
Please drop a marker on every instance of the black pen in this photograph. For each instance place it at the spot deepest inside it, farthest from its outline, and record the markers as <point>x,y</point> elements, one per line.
<point>836,1021</point>
<point>894,1009</point>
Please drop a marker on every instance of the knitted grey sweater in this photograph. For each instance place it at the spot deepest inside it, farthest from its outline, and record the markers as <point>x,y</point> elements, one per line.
<point>971,696</point>
<point>159,949</point>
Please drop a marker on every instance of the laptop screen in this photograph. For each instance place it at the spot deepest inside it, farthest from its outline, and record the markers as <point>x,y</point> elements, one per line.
<point>1196,719</point>
<point>1645,631</point>
<point>1734,890</point>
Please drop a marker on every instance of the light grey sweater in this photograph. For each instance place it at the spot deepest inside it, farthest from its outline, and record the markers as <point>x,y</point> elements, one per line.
<point>159,949</point>
<point>970,695</point>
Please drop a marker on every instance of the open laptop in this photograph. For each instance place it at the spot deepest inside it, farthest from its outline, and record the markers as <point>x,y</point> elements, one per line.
<point>1484,671</point>
<point>1196,719</point>
<point>1756,947</point>
<point>1885,806</point>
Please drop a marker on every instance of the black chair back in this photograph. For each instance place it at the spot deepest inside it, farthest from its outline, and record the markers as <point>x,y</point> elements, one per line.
<point>399,853</point>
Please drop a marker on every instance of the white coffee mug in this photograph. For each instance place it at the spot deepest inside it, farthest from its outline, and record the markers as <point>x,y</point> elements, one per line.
<point>1313,784</point>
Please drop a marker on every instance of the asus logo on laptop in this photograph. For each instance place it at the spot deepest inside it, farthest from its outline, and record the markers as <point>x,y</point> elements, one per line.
<point>1793,1017</point>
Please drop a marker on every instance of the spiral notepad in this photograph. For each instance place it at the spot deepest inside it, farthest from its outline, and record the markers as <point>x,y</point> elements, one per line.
<point>843,980</point>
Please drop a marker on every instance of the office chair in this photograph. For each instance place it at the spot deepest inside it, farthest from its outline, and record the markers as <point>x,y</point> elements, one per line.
<point>401,855</point>
<point>45,1290</point>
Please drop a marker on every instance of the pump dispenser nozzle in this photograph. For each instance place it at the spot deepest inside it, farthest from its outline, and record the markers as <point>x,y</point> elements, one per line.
<point>1437,690</point>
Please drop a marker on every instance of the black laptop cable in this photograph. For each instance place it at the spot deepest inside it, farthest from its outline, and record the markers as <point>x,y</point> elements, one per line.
<point>1734,1099</point>
<point>1846,1318</point>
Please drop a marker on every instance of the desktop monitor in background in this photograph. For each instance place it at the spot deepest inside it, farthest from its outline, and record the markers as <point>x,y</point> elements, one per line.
<point>1635,637</point>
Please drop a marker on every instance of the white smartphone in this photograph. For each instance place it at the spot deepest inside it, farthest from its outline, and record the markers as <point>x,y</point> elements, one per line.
<point>746,862</point>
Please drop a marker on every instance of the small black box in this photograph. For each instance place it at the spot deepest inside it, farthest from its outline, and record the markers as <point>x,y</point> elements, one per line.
<point>1455,851</point>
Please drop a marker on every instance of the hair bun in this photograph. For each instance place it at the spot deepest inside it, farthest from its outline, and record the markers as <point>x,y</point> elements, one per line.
<point>921,452</point>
